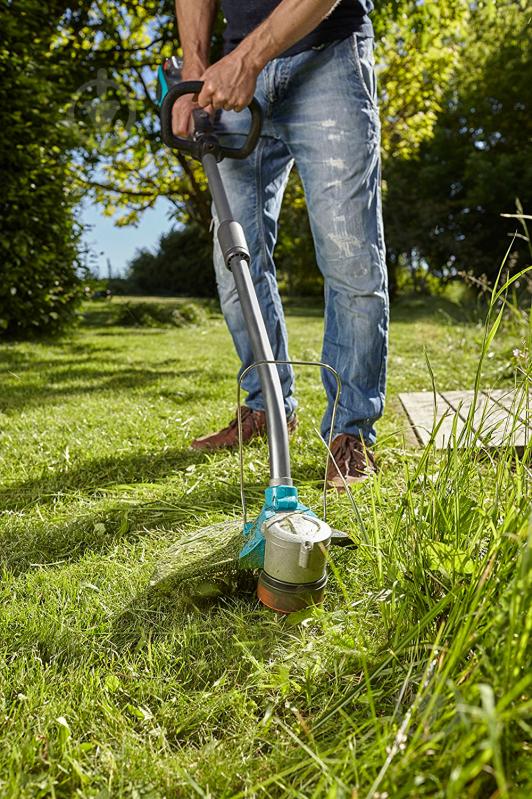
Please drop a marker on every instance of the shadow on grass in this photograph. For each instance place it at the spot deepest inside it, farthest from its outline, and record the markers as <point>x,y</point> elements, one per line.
<point>96,474</point>
<point>99,314</point>
<point>314,311</point>
<point>13,360</point>
<point>115,331</point>
<point>25,545</point>
<point>406,308</point>
<point>234,622</point>
<point>416,308</point>
<point>153,614</point>
<point>104,313</point>
<point>19,396</point>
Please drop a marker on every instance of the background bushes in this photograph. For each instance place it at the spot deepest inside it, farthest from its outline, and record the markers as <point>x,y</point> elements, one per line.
<point>39,281</point>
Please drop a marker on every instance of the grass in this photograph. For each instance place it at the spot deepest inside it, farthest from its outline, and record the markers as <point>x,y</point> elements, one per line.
<point>412,681</point>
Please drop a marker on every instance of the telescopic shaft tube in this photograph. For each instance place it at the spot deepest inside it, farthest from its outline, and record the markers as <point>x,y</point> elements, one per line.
<point>235,252</point>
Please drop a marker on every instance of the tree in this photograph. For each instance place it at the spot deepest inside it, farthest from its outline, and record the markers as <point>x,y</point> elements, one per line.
<point>444,202</point>
<point>454,91</point>
<point>124,164</point>
<point>182,265</point>
<point>129,170</point>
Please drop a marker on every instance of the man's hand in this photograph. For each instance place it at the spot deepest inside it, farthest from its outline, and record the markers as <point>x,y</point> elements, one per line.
<point>182,124</point>
<point>229,84</point>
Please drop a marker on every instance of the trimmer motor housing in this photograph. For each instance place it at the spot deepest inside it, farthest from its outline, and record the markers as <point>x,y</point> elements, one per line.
<point>168,75</point>
<point>295,561</point>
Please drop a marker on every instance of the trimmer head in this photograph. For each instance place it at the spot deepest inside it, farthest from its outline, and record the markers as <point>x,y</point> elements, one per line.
<point>289,544</point>
<point>209,562</point>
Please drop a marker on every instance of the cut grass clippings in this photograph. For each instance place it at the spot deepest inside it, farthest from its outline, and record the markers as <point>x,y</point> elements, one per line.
<point>413,680</point>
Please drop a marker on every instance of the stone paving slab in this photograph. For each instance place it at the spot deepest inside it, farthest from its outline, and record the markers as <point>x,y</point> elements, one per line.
<point>495,418</point>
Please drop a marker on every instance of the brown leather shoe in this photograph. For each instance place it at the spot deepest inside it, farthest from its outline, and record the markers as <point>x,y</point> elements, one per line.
<point>352,458</point>
<point>253,424</point>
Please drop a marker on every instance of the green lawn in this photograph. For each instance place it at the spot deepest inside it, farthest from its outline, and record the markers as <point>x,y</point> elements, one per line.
<point>412,681</point>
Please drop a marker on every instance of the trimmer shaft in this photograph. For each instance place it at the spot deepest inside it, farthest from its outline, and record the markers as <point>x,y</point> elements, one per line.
<point>286,540</point>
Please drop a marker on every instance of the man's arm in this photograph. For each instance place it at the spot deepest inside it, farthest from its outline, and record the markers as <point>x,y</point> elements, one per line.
<point>195,19</point>
<point>230,83</point>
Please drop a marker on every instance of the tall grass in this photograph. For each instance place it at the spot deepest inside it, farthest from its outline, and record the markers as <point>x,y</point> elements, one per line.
<point>444,681</point>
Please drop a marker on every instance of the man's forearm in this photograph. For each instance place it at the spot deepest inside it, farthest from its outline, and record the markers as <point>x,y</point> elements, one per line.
<point>289,22</point>
<point>231,82</point>
<point>195,19</point>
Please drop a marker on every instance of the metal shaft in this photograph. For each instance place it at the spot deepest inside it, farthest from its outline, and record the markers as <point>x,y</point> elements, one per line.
<point>235,252</point>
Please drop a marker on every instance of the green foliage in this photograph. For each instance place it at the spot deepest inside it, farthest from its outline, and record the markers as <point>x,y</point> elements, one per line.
<point>39,286</point>
<point>416,55</point>
<point>182,265</point>
<point>454,134</point>
<point>153,314</point>
<point>418,46</point>
<point>455,95</point>
<point>444,202</point>
<point>122,161</point>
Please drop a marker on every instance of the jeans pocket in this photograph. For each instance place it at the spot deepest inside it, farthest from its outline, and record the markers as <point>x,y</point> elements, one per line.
<point>364,60</point>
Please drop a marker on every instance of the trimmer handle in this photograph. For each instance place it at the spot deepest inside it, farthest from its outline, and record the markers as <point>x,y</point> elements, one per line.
<point>199,146</point>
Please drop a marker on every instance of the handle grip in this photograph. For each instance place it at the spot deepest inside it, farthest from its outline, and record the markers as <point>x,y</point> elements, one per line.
<point>196,147</point>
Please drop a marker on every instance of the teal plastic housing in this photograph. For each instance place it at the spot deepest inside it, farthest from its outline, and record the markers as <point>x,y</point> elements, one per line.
<point>277,499</point>
<point>162,85</point>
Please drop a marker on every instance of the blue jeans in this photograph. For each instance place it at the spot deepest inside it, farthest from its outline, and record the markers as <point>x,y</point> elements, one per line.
<point>320,112</point>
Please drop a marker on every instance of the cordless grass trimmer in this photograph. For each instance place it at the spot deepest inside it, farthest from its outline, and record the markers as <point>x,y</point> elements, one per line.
<point>287,542</point>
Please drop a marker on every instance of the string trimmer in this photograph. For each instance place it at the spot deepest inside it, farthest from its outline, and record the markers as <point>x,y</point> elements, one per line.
<point>287,542</point>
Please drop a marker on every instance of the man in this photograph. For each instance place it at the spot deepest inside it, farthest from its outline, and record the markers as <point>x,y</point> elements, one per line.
<point>309,63</point>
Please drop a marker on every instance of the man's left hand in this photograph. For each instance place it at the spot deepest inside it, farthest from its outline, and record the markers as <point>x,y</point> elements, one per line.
<point>228,84</point>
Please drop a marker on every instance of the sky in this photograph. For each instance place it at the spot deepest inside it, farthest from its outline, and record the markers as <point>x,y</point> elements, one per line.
<point>120,244</point>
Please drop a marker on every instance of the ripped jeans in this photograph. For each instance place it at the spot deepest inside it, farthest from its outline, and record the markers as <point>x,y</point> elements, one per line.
<point>320,112</point>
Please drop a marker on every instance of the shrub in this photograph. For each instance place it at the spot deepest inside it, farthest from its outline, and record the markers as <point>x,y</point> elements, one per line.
<point>37,299</point>
<point>153,314</point>
<point>39,286</point>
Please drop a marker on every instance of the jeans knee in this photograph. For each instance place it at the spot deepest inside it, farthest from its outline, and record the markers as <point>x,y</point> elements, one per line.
<point>362,274</point>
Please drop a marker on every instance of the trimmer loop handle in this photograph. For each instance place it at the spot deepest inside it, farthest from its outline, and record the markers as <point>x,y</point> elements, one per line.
<point>205,143</point>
